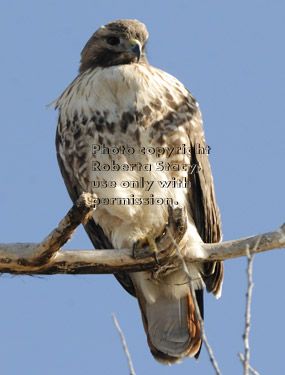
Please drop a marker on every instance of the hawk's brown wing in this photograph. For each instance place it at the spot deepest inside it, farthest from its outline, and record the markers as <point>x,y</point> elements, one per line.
<point>205,211</point>
<point>94,231</point>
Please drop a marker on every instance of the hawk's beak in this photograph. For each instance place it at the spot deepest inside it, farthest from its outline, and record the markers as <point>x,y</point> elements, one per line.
<point>135,48</point>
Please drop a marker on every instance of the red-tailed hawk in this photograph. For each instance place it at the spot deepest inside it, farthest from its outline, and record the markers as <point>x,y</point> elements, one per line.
<point>129,132</point>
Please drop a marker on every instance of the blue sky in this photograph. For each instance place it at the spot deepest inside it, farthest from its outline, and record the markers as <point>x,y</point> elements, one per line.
<point>231,56</point>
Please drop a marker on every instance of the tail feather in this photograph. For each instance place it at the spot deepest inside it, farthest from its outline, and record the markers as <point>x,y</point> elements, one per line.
<point>168,312</point>
<point>194,328</point>
<point>172,328</point>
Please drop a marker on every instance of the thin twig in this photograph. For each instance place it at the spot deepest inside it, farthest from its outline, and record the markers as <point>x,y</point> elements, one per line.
<point>132,371</point>
<point>197,310</point>
<point>245,360</point>
<point>247,314</point>
<point>249,367</point>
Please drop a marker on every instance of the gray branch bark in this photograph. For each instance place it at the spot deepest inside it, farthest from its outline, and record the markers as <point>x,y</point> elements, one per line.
<point>46,258</point>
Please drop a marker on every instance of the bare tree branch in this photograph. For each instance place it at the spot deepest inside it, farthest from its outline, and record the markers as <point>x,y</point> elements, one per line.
<point>33,256</point>
<point>132,371</point>
<point>45,257</point>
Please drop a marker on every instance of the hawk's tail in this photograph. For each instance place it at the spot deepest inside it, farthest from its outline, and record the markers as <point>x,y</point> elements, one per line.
<point>172,327</point>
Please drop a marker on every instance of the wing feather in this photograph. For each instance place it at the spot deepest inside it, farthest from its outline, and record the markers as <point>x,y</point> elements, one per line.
<point>202,201</point>
<point>94,231</point>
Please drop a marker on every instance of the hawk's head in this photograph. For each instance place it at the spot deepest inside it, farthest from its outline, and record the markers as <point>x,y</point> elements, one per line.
<point>118,42</point>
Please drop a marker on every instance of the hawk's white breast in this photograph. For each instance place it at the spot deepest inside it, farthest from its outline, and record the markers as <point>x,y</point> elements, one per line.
<point>132,106</point>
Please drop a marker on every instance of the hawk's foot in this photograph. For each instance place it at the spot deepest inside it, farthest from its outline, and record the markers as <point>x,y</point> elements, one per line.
<point>143,242</point>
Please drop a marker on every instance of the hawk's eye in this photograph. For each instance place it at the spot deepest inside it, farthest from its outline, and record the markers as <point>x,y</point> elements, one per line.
<point>113,40</point>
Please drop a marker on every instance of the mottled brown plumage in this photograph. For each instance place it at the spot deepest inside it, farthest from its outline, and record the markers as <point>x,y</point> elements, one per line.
<point>118,99</point>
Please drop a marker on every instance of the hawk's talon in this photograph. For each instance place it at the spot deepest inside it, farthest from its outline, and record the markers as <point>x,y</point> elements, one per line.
<point>135,244</point>
<point>153,248</point>
<point>156,258</point>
